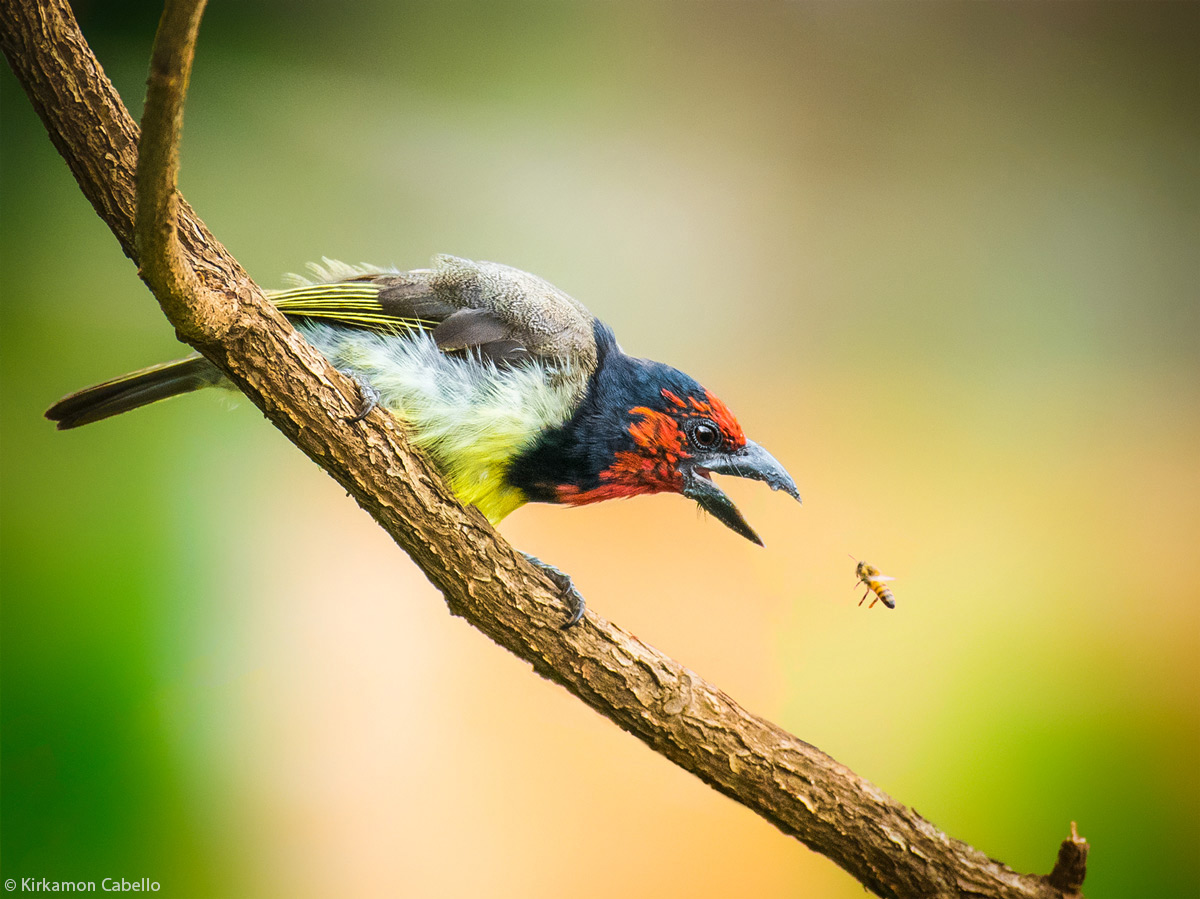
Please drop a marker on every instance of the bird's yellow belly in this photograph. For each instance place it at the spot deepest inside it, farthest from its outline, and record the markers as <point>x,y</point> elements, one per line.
<point>475,469</point>
<point>486,490</point>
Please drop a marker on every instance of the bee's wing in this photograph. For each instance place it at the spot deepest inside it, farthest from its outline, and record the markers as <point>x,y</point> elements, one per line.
<point>881,577</point>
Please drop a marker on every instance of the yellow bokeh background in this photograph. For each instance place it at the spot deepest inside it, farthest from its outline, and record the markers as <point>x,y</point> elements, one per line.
<point>940,259</point>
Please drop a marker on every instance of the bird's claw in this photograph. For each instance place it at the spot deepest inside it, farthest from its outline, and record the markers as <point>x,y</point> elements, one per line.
<point>570,596</point>
<point>369,399</point>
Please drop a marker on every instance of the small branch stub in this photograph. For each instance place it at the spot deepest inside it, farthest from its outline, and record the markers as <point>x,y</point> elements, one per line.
<point>1071,866</point>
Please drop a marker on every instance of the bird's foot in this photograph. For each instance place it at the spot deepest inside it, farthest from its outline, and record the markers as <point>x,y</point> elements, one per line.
<point>369,399</point>
<point>572,597</point>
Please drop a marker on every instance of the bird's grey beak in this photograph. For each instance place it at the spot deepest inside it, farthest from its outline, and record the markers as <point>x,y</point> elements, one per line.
<point>750,461</point>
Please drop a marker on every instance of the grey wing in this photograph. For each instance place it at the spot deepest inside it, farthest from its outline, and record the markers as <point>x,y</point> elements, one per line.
<point>507,315</point>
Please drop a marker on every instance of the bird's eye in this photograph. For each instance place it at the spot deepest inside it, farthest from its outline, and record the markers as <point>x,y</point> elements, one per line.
<point>705,434</point>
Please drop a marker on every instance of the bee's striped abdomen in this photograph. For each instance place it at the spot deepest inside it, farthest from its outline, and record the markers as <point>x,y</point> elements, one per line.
<point>882,594</point>
<point>875,583</point>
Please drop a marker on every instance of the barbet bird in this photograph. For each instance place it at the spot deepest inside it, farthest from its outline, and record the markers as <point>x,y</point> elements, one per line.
<point>511,387</point>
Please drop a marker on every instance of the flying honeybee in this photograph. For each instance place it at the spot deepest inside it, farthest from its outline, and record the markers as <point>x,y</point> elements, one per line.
<point>875,583</point>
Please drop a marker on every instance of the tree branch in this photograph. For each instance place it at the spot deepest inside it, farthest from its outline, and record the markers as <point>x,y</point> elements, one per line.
<point>216,308</point>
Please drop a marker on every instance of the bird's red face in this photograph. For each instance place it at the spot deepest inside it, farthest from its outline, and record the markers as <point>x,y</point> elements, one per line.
<point>672,446</point>
<point>644,427</point>
<point>662,438</point>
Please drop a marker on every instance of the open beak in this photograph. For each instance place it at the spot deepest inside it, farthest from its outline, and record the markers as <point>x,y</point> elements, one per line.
<point>750,461</point>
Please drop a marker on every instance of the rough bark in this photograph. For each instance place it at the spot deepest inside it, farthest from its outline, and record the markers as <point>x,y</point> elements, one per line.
<point>216,308</point>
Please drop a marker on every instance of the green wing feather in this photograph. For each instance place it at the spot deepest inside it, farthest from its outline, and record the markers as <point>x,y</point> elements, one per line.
<point>354,304</point>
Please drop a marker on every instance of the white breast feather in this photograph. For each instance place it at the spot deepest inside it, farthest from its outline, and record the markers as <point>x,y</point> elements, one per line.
<point>470,416</point>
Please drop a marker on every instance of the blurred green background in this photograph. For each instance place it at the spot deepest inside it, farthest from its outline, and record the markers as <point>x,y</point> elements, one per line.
<point>940,258</point>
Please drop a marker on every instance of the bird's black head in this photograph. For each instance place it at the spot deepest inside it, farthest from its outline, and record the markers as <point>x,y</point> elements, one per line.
<point>644,427</point>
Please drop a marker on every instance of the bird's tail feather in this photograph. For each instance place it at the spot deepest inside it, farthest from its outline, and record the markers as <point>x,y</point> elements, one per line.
<point>133,390</point>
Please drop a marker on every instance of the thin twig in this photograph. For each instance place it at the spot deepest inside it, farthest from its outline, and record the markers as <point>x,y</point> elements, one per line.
<point>162,263</point>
